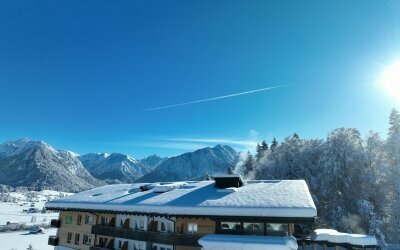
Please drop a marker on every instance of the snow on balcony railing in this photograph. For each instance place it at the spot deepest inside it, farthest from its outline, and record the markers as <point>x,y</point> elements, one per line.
<point>335,237</point>
<point>239,242</point>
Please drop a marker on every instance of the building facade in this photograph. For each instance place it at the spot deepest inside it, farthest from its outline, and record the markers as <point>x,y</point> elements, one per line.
<point>174,216</point>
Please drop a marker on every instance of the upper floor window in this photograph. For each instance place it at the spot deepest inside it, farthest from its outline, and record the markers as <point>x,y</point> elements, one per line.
<point>228,227</point>
<point>192,228</point>
<point>88,219</point>
<point>103,221</point>
<point>253,228</point>
<point>79,219</point>
<point>68,220</point>
<point>163,229</point>
<point>141,224</point>
<point>169,227</point>
<point>274,229</point>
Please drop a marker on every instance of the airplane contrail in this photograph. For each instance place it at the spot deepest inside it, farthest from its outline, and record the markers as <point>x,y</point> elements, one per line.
<point>215,98</point>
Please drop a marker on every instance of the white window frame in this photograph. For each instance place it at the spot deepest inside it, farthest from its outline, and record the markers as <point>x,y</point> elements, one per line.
<point>192,228</point>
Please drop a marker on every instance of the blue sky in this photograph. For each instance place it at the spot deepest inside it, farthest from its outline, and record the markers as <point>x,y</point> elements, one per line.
<point>81,75</point>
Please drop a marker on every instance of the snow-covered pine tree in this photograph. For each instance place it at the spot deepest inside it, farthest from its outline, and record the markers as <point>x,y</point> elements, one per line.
<point>393,161</point>
<point>248,164</point>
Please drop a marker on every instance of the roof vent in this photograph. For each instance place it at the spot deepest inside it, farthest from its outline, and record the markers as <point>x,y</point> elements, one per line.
<point>166,187</point>
<point>228,181</point>
<point>146,187</point>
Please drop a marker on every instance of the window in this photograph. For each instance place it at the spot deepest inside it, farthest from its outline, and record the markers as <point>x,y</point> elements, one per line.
<point>251,228</point>
<point>68,220</point>
<point>77,239</point>
<point>230,227</point>
<point>88,219</point>
<point>104,221</point>
<point>141,224</point>
<point>169,227</point>
<point>139,246</point>
<point>121,223</point>
<point>277,229</point>
<point>79,220</point>
<point>163,227</point>
<point>102,242</point>
<point>69,237</point>
<point>192,228</point>
<point>120,244</point>
<point>87,239</point>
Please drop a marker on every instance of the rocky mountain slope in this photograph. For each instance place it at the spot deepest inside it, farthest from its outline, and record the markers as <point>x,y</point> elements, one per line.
<point>114,168</point>
<point>194,165</point>
<point>153,161</point>
<point>36,164</point>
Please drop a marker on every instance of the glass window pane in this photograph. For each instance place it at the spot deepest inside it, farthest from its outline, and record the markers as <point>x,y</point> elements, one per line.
<point>230,227</point>
<point>250,228</point>
<point>274,229</point>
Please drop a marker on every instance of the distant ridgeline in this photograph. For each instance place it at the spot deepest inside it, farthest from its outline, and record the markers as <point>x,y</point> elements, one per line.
<point>37,166</point>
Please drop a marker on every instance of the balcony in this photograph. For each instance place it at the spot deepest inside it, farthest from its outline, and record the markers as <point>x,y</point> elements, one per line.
<point>55,223</point>
<point>53,241</point>
<point>148,236</point>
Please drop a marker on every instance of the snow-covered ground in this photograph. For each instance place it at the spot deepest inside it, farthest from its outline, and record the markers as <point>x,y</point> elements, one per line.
<point>17,202</point>
<point>20,240</point>
<point>11,212</point>
<point>12,205</point>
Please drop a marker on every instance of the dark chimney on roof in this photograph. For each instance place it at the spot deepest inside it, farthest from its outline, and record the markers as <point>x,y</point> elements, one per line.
<point>228,180</point>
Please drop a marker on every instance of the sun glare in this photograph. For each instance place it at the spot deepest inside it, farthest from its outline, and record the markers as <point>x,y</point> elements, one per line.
<point>390,80</point>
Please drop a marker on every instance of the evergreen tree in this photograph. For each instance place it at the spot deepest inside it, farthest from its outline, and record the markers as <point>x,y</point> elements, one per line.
<point>393,161</point>
<point>259,152</point>
<point>394,122</point>
<point>264,146</point>
<point>248,164</point>
<point>274,144</point>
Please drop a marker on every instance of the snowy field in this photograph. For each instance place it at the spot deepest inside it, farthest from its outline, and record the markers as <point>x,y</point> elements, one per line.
<point>12,205</point>
<point>13,212</point>
<point>21,240</point>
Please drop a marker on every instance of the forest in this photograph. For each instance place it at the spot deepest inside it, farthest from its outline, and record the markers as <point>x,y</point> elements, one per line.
<point>354,180</point>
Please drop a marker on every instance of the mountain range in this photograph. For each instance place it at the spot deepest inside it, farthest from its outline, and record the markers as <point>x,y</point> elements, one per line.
<point>37,165</point>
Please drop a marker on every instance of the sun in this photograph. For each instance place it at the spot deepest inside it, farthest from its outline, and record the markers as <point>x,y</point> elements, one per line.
<point>390,80</point>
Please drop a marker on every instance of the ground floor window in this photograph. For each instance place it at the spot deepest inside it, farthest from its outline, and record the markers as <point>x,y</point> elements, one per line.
<point>69,237</point>
<point>87,239</point>
<point>77,236</point>
<point>102,242</point>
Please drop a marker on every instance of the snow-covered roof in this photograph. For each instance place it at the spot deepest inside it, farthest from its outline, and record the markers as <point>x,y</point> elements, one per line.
<point>240,242</point>
<point>334,236</point>
<point>284,199</point>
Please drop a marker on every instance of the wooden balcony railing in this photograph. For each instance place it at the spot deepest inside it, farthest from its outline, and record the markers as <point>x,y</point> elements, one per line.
<point>148,236</point>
